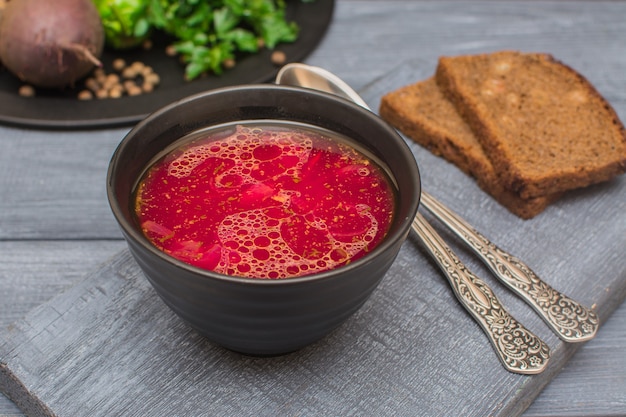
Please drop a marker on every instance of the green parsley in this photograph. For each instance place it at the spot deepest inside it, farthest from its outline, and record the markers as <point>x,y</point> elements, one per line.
<point>208,34</point>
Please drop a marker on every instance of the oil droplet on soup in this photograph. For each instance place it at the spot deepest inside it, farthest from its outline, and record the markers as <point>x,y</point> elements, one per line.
<point>265,201</point>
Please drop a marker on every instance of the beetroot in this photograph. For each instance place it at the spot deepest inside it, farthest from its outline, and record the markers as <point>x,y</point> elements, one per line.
<point>50,43</point>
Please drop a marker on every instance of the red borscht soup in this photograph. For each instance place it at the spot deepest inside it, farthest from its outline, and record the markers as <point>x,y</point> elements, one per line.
<point>265,200</point>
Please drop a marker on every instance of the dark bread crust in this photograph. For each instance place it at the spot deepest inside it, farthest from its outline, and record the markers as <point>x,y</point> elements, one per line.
<point>422,113</point>
<point>544,127</point>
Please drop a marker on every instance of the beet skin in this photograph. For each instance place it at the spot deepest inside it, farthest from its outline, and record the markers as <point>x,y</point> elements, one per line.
<point>50,43</point>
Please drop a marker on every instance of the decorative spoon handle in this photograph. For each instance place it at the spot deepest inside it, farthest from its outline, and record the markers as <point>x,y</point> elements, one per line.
<point>570,320</point>
<point>519,350</point>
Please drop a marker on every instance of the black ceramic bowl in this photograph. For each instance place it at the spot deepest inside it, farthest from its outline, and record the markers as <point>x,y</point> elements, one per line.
<point>253,316</point>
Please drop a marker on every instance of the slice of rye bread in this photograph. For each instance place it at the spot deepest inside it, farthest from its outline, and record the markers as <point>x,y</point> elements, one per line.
<point>422,113</point>
<point>544,127</point>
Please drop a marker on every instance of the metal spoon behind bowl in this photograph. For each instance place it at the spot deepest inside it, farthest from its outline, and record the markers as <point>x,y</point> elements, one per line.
<point>570,320</point>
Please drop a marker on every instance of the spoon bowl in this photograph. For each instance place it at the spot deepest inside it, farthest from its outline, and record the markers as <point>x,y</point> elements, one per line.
<point>316,78</point>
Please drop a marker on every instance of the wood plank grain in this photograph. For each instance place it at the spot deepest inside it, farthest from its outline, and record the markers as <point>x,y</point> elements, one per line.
<point>52,184</point>
<point>33,272</point>
<point>593,382</point>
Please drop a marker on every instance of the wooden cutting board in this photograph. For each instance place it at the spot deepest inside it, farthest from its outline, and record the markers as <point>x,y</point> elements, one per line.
<point>109,346</point>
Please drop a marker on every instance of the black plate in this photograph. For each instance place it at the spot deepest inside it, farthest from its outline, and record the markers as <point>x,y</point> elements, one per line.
<point>57,109</point>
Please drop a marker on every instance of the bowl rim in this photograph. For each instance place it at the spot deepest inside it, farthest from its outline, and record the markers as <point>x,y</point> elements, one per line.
<point>137,236</point>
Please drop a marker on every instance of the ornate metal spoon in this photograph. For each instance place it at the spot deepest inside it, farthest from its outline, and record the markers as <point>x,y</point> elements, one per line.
<point>518,349</point>
<point>571,321</point>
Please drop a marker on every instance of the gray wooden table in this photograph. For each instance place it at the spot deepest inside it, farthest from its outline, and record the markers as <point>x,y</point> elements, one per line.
<point>55,224</point>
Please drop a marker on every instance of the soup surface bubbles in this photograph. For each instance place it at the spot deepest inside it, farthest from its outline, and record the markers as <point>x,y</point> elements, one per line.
<point>265,200</point>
